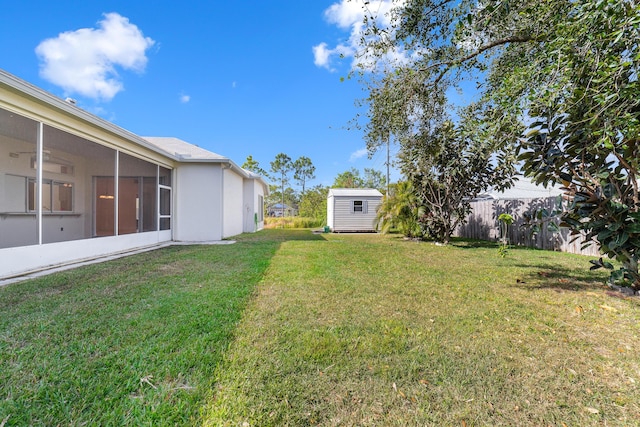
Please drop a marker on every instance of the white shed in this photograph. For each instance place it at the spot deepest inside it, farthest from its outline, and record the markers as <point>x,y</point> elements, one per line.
<point>352,209</point>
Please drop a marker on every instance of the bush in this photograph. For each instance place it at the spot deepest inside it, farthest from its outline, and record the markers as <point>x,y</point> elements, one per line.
<point>293,222</point>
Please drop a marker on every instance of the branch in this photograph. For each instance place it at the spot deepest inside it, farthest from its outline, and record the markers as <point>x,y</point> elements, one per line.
<point>454,62</point>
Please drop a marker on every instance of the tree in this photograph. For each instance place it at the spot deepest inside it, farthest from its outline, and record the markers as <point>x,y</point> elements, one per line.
<point>303,171</point>
<point>254,166</point>
<point>348,179</point>
<point>276,196</point>
<point>447,169</point>
<point>587,133</point>
<point>281,166</point>
<point>401,210</point>
<point>567,69</point>
<point>313,203</point>
<point>374,179</point>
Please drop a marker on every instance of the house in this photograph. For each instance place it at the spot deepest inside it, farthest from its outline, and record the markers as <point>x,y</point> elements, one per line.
<point>523,188</point>
<point>280,210</point>
<point>352,209</point>
<point>76,187</point>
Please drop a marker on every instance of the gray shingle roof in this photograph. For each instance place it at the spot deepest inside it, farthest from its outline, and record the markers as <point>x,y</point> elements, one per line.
<point>183,149</point>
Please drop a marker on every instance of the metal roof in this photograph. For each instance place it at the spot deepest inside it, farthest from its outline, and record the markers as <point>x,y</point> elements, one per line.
<point>523,188</point>
<point>355,192</point>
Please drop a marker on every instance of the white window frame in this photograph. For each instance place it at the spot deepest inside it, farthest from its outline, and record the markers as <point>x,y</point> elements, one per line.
<point>362,207</point>
<point>52,183</point>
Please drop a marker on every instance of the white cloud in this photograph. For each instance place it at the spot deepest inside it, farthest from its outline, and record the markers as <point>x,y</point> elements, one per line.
<point>185,98</point>
<point>349,15</point>
<point>321,55</point>
<point>358,154</point>
<point>84,61</point>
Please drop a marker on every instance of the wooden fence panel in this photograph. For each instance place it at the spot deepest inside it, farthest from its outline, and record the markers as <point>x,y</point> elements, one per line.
<point>483,224</point>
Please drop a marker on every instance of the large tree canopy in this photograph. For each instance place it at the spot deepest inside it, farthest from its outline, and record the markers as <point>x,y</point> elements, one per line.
<point>557,80</point>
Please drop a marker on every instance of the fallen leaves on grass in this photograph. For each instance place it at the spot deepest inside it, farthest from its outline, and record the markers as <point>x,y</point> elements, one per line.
<point>395,388</point>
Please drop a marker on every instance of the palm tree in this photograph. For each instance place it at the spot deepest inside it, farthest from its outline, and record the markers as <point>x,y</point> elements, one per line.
<point>401,210</point>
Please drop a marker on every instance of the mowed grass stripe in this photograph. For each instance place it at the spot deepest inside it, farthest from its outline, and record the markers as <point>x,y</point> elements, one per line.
<point>375,330</point>
<point>134,341</point>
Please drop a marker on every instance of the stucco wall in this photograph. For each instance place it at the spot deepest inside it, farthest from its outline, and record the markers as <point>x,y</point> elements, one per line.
<point>253,190</point>
<point>197,213</point>
<point>234,209</point>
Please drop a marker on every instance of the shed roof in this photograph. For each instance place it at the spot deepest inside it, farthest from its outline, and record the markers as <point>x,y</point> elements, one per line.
<point>355,192</point>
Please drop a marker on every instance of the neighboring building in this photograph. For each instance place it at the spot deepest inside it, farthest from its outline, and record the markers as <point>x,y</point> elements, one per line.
<point>75,187</point>
<point>352,209</point>
<point>280,210</point>
<point>523,188</point>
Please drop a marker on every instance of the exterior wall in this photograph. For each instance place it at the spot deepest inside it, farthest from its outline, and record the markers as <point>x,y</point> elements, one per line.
<point>197,214</point>
<point>253,190</point>
<point>330,212</point>
<point>233,202</point>
<point>344,219</point>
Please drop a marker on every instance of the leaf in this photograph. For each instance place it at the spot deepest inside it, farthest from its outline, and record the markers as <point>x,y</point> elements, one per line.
<point>633,227</point>
<point>592,410</point>
<point>608,308</point>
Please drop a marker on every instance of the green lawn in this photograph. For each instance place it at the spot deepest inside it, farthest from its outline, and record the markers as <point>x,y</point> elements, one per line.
<point>290,328</point>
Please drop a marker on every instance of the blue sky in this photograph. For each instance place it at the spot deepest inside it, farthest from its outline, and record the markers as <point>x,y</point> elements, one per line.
<point>238,78</point>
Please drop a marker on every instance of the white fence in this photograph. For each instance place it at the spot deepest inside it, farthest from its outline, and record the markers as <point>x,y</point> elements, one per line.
<point>483,224</point>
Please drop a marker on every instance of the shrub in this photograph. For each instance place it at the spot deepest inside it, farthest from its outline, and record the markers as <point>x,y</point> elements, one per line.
<point>293,222</point>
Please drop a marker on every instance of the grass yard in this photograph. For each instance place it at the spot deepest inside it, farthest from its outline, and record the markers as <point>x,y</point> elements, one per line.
<point>134,341</point>
<point>375,330</point>
<point>290,328</point>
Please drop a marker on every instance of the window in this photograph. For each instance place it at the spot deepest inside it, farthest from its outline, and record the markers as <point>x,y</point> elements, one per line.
<point>165,208</point>
<point>358,206</point>
<point>165,198</point>
<point>56,196</point>
<point>260,208</point>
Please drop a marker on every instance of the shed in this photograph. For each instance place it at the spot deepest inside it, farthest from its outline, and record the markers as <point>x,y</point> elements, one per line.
<point>352,209</point>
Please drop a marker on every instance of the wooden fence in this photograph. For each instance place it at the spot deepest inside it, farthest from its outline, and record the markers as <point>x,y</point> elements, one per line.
<point>483,224</point>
